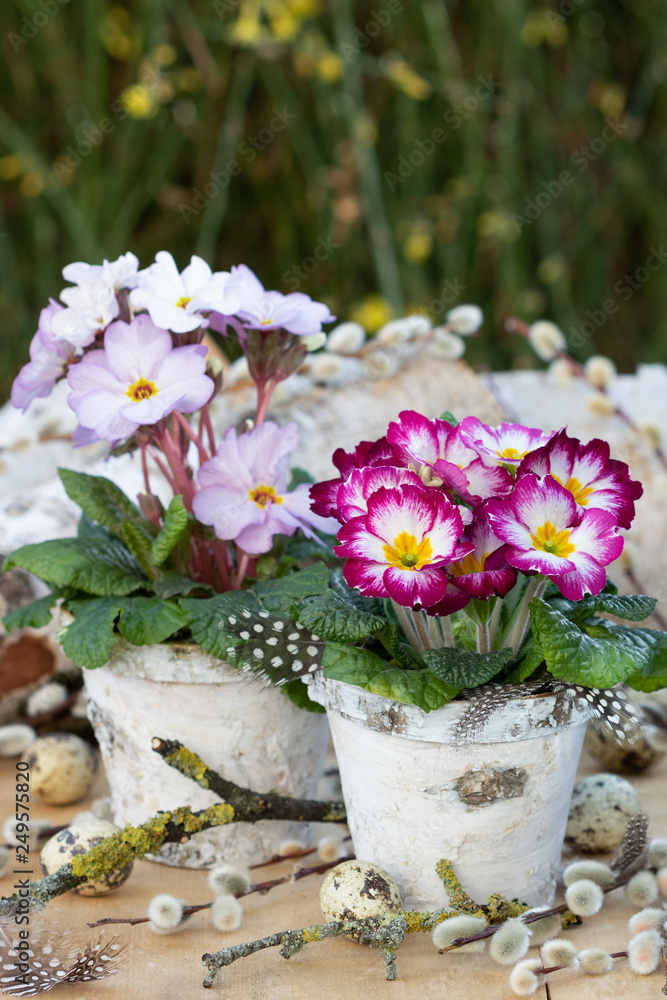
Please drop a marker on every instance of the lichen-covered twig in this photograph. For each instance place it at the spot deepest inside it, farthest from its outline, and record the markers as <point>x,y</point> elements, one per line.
<point>386,932</point>
<point>120,849</point>
<point>253,805</point>
<point>256,887</point>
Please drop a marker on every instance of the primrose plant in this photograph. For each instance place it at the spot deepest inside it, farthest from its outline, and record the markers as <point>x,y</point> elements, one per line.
<point>129,344</point>
<point>474,565</point>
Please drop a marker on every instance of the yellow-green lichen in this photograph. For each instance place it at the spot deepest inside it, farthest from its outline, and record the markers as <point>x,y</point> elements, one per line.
<point>459,899</point>
<point>498,909</point>
<point>313,933</point>
<point>133,842</point>
<point>189,764</point>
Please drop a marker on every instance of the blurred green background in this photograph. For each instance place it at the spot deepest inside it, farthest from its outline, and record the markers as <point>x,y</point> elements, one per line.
<point>382,157</point>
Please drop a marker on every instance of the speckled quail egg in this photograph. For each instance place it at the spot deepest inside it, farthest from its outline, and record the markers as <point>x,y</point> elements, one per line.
<point>356,889</point>
<point>62,768</point>
<point>46,698</point>
<point>78,839</point>
<point>600,809</point>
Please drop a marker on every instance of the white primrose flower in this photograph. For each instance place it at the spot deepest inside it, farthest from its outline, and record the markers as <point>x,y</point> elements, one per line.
<point>175,301</point>
<point>91,302</point>
<point>465,320</point>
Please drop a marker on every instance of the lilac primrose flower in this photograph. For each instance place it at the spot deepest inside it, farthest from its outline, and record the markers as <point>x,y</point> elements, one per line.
<point>507,444</point>
<point>262,310</point>
<point>138,378</point>
<point>176,301</point>
<point>49,359</point>
<point>91,301</point>
<point>244,490</point>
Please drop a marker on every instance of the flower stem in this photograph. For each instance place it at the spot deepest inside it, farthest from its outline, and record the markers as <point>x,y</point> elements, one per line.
<point>520,623</point>
<point>180,419</point>
<point>242,569</point>
<point>483,638</point>
<point>206,417</point>
<point>408,626</point>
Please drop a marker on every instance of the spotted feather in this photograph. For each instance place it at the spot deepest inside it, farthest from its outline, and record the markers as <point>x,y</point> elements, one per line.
<point>271,646</point>
<point>49,960</point>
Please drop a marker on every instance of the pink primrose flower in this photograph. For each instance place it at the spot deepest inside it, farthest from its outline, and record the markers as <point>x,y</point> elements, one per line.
<point>49,360</point>
<point>484,571</point>
<point>595,480</point>
<point>547,532</point>
<point>507,444</point>
<point>137,378</point>
<point>400,547</point>
<point>243,489</point>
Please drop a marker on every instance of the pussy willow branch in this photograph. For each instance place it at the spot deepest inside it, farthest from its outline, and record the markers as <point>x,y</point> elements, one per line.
<point>252,805</point>
<point>256,887</point>
<point>518,326</point>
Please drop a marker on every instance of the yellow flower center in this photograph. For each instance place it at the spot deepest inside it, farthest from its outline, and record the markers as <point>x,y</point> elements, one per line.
<point>469,564</point>
<point>579,492</point>
<point>262,495</point>
<point>141,389</point>
<point>182,303</point>
<point>266,322</point>
<point>556,543</point>
<point>512,454</point>
<point>408,553</point>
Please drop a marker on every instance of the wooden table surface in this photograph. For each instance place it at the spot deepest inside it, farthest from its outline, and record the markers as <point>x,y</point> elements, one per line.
<point>168,967</point>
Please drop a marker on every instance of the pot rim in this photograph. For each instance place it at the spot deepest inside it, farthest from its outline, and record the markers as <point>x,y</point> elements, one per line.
<point>524,718</point>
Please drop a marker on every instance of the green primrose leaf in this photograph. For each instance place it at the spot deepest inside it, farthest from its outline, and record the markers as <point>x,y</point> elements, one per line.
<point>174,527</point>
<point>463,669</point>
<point>147,620</point>
<point>631,607</point>
<point>368,671</point>
<point>598,655</point>
<point>99,498</point>
<point>206,618</point>
<point>89,638</point>
<point>97,566</point>
<point>278,594</point>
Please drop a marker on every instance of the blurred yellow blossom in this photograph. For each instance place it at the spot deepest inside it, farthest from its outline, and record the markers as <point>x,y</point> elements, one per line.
<point>164,55</point>
<point>496,225</point>
<point>551,269</point>
<point>117,34</point>
<point>372,313</point>
<point>329,67</point>
<point>540,27</point>
<point>11,167</point>
<point>612,101</point>
<point>418,247</point>
<point>32,184</point>
<point>187,78</point>
<point>405,78</point>
<point>139,101</point>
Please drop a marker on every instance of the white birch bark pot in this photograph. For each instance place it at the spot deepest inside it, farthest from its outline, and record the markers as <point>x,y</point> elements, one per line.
<point>248,732</point>
<point>496,806</point>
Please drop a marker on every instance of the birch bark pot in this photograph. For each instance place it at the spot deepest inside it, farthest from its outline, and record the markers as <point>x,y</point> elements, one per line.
<point>496,805</point>
<point>250,733</point>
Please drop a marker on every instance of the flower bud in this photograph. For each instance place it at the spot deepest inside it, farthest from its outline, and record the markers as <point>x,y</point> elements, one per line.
<point>510,942</point>
<point>596,871</point>
<point>447,345</point>
<point>165,912</point>
<point>595,961</point>
<point>546,339</point>
<point>584,897</point>
<point>347,338</point>
<point>462,925</point>
<point>642,889</point>
<point>226,913</point>
<point>644,952</point>
<point>600,371</point>
<point>560,951</point>
<point>523,981</point>
<point>226,879</point>
<point>465,320</point>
